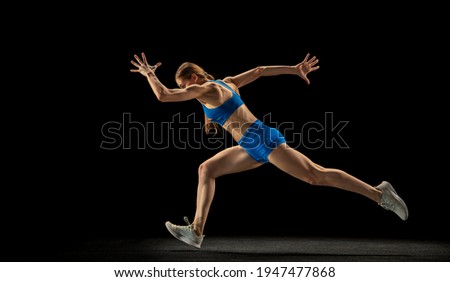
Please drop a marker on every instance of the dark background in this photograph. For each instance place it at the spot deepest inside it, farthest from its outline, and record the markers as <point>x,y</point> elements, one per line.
<point>375,72</point>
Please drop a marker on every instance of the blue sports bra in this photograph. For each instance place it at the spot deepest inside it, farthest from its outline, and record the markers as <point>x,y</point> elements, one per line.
<point>221,113</point>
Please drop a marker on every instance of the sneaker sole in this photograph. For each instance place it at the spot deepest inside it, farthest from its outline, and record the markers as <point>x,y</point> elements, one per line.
<point>182,238</point>
<point>397,197</point>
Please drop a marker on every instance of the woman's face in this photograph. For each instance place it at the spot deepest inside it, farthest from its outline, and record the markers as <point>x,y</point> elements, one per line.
<point>183,82</point>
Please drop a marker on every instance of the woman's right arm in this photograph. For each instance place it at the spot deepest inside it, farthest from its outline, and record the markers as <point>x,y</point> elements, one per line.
<point>163,93</point>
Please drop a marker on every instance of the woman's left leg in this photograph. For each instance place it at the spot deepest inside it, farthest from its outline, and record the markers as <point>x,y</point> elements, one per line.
<point>230,160</point>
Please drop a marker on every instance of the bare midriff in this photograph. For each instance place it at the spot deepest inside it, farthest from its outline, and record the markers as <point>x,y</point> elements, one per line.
<point>239,122</point>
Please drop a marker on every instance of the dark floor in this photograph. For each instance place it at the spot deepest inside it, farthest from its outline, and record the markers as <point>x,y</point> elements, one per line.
<point>243,249</point>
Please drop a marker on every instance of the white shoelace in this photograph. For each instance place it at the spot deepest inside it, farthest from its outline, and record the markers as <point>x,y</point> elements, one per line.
<point>189,225</point>
<point>187,221</point>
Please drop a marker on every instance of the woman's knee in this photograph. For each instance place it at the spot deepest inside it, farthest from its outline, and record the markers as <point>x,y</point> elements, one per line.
<point>206,169</point>
<point>316,176</point>
<point>323,176</point>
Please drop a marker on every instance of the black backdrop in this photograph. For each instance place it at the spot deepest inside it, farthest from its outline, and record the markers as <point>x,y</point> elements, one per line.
<point>370,76</point>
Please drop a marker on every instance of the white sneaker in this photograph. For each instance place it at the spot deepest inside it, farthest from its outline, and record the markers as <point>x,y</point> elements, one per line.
<point>185,234</point>
<point>391,201</point>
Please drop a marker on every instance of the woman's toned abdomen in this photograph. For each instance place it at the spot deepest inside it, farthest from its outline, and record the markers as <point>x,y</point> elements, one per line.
<point>239,121</point>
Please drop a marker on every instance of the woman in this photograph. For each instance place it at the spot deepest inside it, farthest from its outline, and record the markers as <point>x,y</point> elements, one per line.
<point>257,143</point>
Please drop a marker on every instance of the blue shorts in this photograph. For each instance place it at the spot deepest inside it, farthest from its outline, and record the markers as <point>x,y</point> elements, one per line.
<point>259,140</point>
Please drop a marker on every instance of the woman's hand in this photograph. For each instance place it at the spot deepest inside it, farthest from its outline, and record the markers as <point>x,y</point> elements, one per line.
<point>142,66</point>
<point>307,66</point>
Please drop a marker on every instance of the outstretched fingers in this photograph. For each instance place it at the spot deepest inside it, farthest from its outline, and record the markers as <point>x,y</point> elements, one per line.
<point>305,59</point>
<point>142,64</point>
<point>144,59</point>
<point>134,64</point>
<point>313,61</point>
<point>138,59</point>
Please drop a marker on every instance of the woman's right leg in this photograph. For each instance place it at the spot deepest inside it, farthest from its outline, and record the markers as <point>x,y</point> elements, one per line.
<point>298,165</point>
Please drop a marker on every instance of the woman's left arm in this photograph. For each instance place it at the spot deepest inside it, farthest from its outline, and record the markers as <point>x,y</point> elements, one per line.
<point>301,69</point>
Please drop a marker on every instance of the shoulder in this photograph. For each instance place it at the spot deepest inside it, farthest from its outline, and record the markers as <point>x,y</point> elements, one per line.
<point>229,81</point>
<point>211,86</point>
<point>204,88</point>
